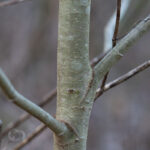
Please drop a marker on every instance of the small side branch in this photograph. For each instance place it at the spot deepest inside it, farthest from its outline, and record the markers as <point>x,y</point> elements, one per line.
<point>114,40</point>
<point>123,78</point>
<point>110,26</point>
<point>49,97</point>
<point>11,2</point>
<point>56,126</point>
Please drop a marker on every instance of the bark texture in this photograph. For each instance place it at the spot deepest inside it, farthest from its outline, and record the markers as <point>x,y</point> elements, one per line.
<point>74,73</point>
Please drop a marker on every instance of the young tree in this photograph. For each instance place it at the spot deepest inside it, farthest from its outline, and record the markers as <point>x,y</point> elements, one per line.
<point>77,80</point>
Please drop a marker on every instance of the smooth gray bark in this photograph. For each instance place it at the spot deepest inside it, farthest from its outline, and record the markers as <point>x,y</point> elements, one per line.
<point>74,72</point>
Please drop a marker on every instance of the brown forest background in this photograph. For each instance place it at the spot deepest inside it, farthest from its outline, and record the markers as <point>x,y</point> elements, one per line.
<point>120,119</point>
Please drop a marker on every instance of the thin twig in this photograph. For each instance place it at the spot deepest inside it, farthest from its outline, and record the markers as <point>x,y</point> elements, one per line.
<point>109,28</point>
<point>33,135</point>
<point>123,78</point>
<point>114,40</point>
<point>11,2</point>
<point>48,98</point>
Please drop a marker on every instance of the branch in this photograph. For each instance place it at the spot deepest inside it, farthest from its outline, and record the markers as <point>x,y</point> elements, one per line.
<point>114,40</point>
<point>120,49</point>
<point>124,43</point>
<point>110,26</point>
<point>46,100</point>
<point>25,116</point>
<point>12,2</point>
<point>55,125</point>
<point>123,78</point>
<point>33,135</point>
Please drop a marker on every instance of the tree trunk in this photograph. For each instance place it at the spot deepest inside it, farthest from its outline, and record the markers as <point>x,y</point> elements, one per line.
<point>74,73</point>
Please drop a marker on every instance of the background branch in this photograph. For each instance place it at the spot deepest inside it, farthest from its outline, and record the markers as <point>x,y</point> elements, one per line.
<point>11,2</point>
<point>111,25</point>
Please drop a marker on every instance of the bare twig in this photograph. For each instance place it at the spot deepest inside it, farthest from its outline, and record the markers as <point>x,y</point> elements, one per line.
<point>49,97</point>
<point>123,78</point>
<point>11,2</point>
<point>120,49</point>
<point>110,26</point>
<point>103,83</point>
<point>33,135</point>
<point>114,40</point>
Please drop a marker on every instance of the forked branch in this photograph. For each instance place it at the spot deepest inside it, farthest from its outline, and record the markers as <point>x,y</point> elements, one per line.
<point>120,49</point>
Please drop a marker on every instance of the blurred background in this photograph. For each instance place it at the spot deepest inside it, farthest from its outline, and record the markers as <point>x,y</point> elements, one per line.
<point>120,119</point>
